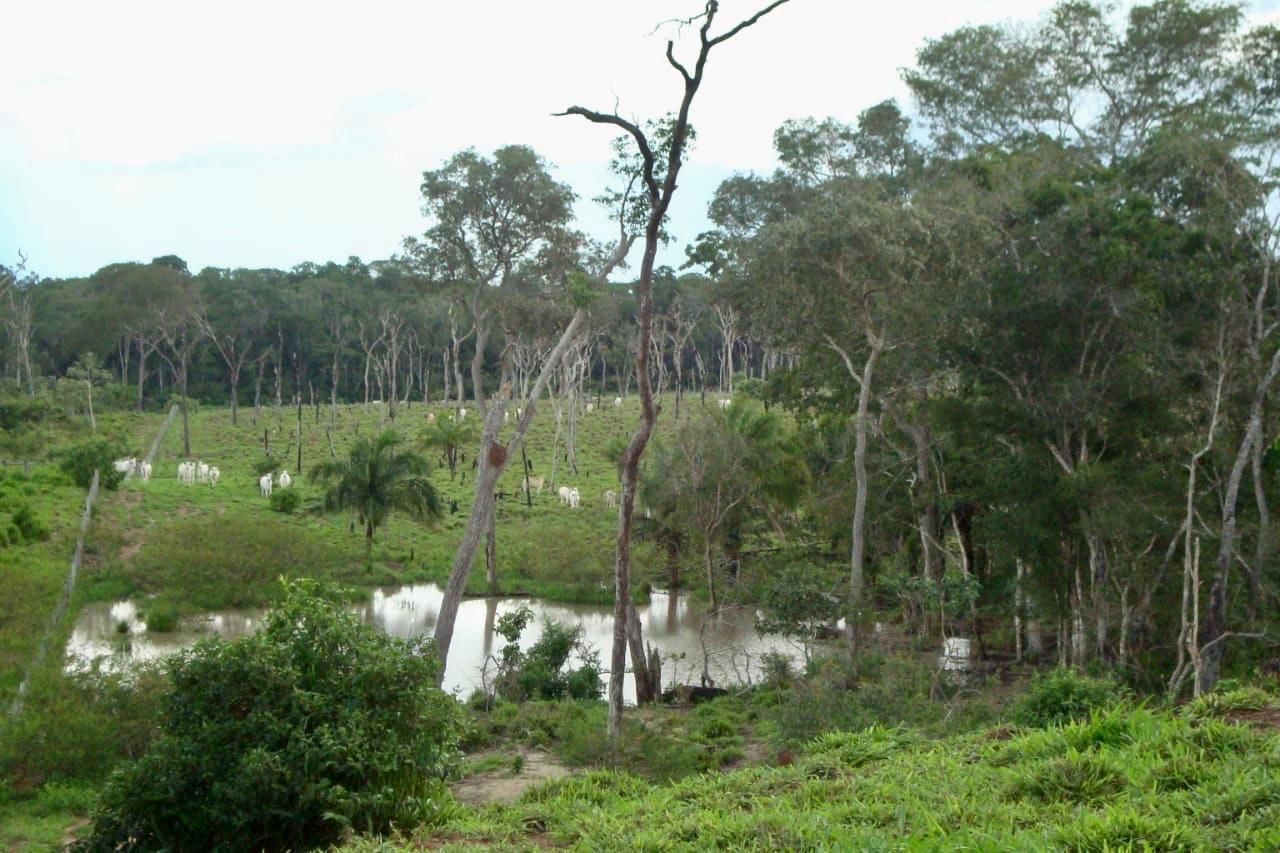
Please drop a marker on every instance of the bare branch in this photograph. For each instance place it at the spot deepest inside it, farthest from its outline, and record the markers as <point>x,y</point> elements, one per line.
<point>743,25</point>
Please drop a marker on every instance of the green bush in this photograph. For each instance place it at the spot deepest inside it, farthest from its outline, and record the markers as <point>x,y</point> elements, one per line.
<point>287,738</point>
<point>77,727</point>
<point>30,527</point>
<point>286,500</point>
<point>543,672</point>
<point>161,615</point>
<point>80,461</point>
<point>1063,695</point>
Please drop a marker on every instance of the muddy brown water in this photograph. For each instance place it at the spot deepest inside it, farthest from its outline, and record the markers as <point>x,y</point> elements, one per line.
<point>686,636</point>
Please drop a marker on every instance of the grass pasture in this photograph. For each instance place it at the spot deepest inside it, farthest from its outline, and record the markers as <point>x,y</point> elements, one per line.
<point>1125,779</point>
<point>204,547</point>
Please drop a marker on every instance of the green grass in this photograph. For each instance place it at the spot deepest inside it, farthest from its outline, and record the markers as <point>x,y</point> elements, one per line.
<point>1099,784</point>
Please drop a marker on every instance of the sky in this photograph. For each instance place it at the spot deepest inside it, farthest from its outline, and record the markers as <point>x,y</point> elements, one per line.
<point>264,134</point>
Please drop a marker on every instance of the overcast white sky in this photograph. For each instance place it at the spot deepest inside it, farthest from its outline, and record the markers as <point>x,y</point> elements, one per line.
<point>268,133</point>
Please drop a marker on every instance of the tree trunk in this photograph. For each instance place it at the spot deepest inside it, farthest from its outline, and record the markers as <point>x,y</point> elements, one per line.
<point>1214,626</point>
<point>235,395</point>
<point>491,550</point>
<point>486,478</point>
<point>858,526</point>
<point>709,564</point>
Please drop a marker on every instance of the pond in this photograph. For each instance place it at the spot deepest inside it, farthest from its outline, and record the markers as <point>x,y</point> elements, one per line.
<point>685,635</point>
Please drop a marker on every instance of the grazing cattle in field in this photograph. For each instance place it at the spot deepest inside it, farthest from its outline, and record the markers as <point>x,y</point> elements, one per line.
<point>431,417</point>
<point>611,499</point>
<point>462,414</point>
<point>575,497</point>
<point>186,473</point>
<point>284,480</point>
<point>125,466</point>
<point>724,403</point>
<point>202,472</point>
<point>591,407</point>
<point>563,491</point>
<point>144,471</point>
<point>617,402</point>
<point>214,475</point>
<point>264,485</point>
<point>506,417</point>
<point>534,483</point>
<point>519,413</point>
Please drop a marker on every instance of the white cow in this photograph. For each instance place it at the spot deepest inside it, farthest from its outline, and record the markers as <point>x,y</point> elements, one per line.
<point>617,402</point>
<point>534,483</point>
<point>125,466</point>
<point>506,417</point>
<point>462,414</point>
<point>264,485</point>
<point>144,470</point>
<point>724,403</point>
<point>611,499</point>
<point>187,473</point>
<point>214,474</point>
<point>563,491</point>
<point>431,417</point>
<point>519,413</point>
<point>591,407</point>
<point>284,480</point>
<point>575,497</point>
<point>202,471</point>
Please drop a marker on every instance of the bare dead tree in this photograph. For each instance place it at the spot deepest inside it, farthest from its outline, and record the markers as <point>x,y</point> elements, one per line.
<point>234,349</point>
<point>659,196</point>
<point>179,336</point>
<point>19,320</point>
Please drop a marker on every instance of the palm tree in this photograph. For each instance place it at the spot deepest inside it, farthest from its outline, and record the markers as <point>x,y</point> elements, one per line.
<point>449,434</point>
<point>379,477</point>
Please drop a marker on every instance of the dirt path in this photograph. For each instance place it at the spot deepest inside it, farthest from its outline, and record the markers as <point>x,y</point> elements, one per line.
<point>503,786</point>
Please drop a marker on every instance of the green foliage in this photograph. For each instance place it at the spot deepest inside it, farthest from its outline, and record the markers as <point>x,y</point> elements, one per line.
<point>76,727</point>
<point>1063,695</point>
<point>161,614</point>
<point>543,672</point>
<point>1224,700</point>
<point>286,501</point>
<point>287,738</point>
<point>79,461</point>
<point>377,478</point>
<point>798,600</point>
<point>886,788</point>
<point>266,465</point>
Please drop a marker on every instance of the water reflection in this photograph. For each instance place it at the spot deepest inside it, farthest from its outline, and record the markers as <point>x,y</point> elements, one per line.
<point>726,647</point>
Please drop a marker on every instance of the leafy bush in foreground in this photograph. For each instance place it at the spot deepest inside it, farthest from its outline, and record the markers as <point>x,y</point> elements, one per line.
<point>286,738</point>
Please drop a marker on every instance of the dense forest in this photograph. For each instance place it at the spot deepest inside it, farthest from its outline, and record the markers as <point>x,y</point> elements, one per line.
<point>998,365</point>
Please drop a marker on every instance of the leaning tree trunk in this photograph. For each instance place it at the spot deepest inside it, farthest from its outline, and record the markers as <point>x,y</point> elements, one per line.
<point>487,475</point>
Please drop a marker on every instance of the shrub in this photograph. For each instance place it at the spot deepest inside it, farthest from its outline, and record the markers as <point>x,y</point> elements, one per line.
<point>286,500</point>
<point>543,671</point>
<point>285,739</point>
<point>161,615</point>
<point>79,461</point>
<point>30,527</point>
<point>1063,695</point>
<point>266,465</point>
<point>76,727</point>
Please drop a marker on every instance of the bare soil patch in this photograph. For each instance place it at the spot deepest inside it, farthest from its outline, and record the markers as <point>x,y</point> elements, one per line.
<point>503,786</point>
